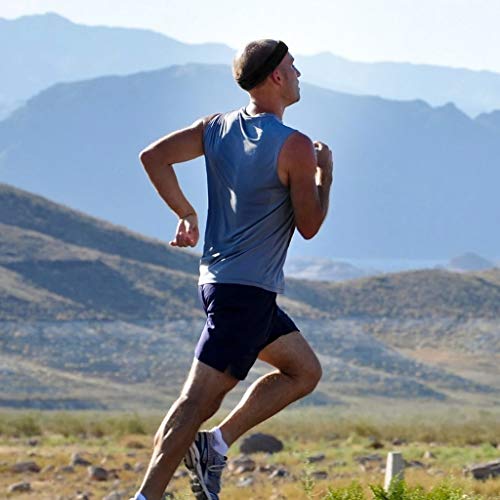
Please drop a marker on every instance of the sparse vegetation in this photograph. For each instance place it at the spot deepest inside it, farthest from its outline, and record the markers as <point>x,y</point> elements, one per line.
<point>452,427</point>
<point>436,444</point>
<point>399,490</point>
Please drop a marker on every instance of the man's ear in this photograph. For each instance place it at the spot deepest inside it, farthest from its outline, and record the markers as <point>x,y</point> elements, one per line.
<point>276,76</point>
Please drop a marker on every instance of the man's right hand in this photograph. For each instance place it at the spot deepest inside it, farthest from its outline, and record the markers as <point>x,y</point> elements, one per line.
<point>324,160</point>
<point>187,232</point>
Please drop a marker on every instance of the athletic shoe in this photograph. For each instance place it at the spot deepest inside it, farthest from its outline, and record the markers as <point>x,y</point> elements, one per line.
<point>205,466</point>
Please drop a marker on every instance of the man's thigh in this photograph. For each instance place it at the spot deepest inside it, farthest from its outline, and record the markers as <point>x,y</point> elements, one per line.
<point>240,321</point>
<point>205,383</point>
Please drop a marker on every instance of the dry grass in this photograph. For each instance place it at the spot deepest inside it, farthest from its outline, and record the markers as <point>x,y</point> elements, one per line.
<point>116,440</point>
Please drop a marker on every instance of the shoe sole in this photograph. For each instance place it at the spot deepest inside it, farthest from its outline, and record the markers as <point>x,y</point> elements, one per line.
<point>192,462</point>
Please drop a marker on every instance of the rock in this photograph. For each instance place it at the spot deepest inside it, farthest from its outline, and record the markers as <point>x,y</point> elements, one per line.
<point>25,467</point>
<point>267,468</point>
<point>114,495</point>
<point>114,474</point>
<point>67,469</point>
<point>180,473</point>
<point>98,473</point>
<point>77,459</point>
<point>82,496</point>
<point>245,482</point>
<point>19,487</point>
<point>399,442</point>
<point>280,472</point>
<point>135,445</point>
<point>376,445</point>
<point>414,463</point>
<point>315,458</point>
<point>127,466</point>
<point>241,464</point>
<point>484,471</point>
<point>33,442</point>
<point>428,455</point>
<point>338,463</point>
<point>333,436</point>
<point>435,472</point>
<point>47,469</point>
<point>319,475</point>
<point>139,467</point>
<point>259,442</point>
<point>277,496</point>
<point>364,459</point>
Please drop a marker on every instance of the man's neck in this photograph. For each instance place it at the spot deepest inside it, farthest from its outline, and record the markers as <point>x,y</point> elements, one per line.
<point>256,107</point>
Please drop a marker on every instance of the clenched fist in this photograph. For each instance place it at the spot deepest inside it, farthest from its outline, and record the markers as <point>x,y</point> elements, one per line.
<point>187,233</point>
<point>324,160</point>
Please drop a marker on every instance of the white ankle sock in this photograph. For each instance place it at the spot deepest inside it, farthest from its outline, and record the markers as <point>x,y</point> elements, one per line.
<point>220,445</point>
<point>139,496</point>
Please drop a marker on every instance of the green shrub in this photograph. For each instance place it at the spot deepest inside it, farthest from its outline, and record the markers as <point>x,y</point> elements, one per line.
<point>399,490</point>
<point>352,492</point>
<point>25,425</point>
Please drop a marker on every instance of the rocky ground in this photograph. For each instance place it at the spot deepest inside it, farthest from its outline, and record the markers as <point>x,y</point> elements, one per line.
<point>54,467</point>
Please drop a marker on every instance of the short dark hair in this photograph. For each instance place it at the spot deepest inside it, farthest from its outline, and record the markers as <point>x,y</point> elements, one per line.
<point>251,57</point>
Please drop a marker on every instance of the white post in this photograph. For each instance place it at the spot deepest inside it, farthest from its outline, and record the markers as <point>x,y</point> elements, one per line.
<point>394,468</point>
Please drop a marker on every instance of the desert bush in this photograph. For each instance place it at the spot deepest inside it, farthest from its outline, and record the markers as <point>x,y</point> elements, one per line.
<point>352,492</point>
<point>20,425</point>
<point>399,490</point>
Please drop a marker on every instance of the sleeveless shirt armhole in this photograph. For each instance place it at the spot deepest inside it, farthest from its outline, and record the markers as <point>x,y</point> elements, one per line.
<point>206,127</point>
<point>276,162</point>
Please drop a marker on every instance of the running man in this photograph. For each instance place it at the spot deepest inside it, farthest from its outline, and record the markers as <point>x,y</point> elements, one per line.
<point>264,180</point>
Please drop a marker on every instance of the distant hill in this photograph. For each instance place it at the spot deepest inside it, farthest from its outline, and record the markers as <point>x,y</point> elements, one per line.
<point>413,294</point>
<point>40,50</point>
<point>59,264</point>
<point>94,316</point>
<point>59,50</point>
<point>490,120</point>
<point>470,262</point>
<point>324,269</point>
<point>57,254</point>
<point>472,91</point>
<point>411,181</point>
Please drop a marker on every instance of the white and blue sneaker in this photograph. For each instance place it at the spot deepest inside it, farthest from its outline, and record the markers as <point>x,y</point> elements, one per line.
<point>205,466</point>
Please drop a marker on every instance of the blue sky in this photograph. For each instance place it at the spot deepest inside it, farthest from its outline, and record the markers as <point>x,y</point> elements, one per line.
<point>460,33</point>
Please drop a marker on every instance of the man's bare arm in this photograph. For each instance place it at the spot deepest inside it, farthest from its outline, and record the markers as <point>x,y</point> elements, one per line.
<point>306,168</point>
<point>158,160</point>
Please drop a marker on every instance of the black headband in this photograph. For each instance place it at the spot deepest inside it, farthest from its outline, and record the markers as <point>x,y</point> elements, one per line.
<point>265,69</point>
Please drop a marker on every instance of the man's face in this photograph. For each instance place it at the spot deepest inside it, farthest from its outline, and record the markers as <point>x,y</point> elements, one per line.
<point>291,89</point>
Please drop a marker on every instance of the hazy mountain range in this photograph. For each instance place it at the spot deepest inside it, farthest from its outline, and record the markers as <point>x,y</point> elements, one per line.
<point>38,51</point>
<point>59,50</point>
<point>94,316</point>
<point>473,92</point>
<point>411,180</point>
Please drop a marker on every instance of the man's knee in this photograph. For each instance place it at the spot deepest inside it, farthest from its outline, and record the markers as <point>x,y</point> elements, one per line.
<point>311,374</point>
<point>201,405</point>
<point>187,409</point>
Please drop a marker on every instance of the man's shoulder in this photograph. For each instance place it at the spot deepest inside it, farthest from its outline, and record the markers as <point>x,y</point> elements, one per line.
<point>298,141</point>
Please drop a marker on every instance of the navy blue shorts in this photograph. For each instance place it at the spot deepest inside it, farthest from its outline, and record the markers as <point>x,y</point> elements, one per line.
<point>241,321</point>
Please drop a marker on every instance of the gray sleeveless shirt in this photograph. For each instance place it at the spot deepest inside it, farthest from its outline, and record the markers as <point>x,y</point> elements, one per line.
<point>250,218</point>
